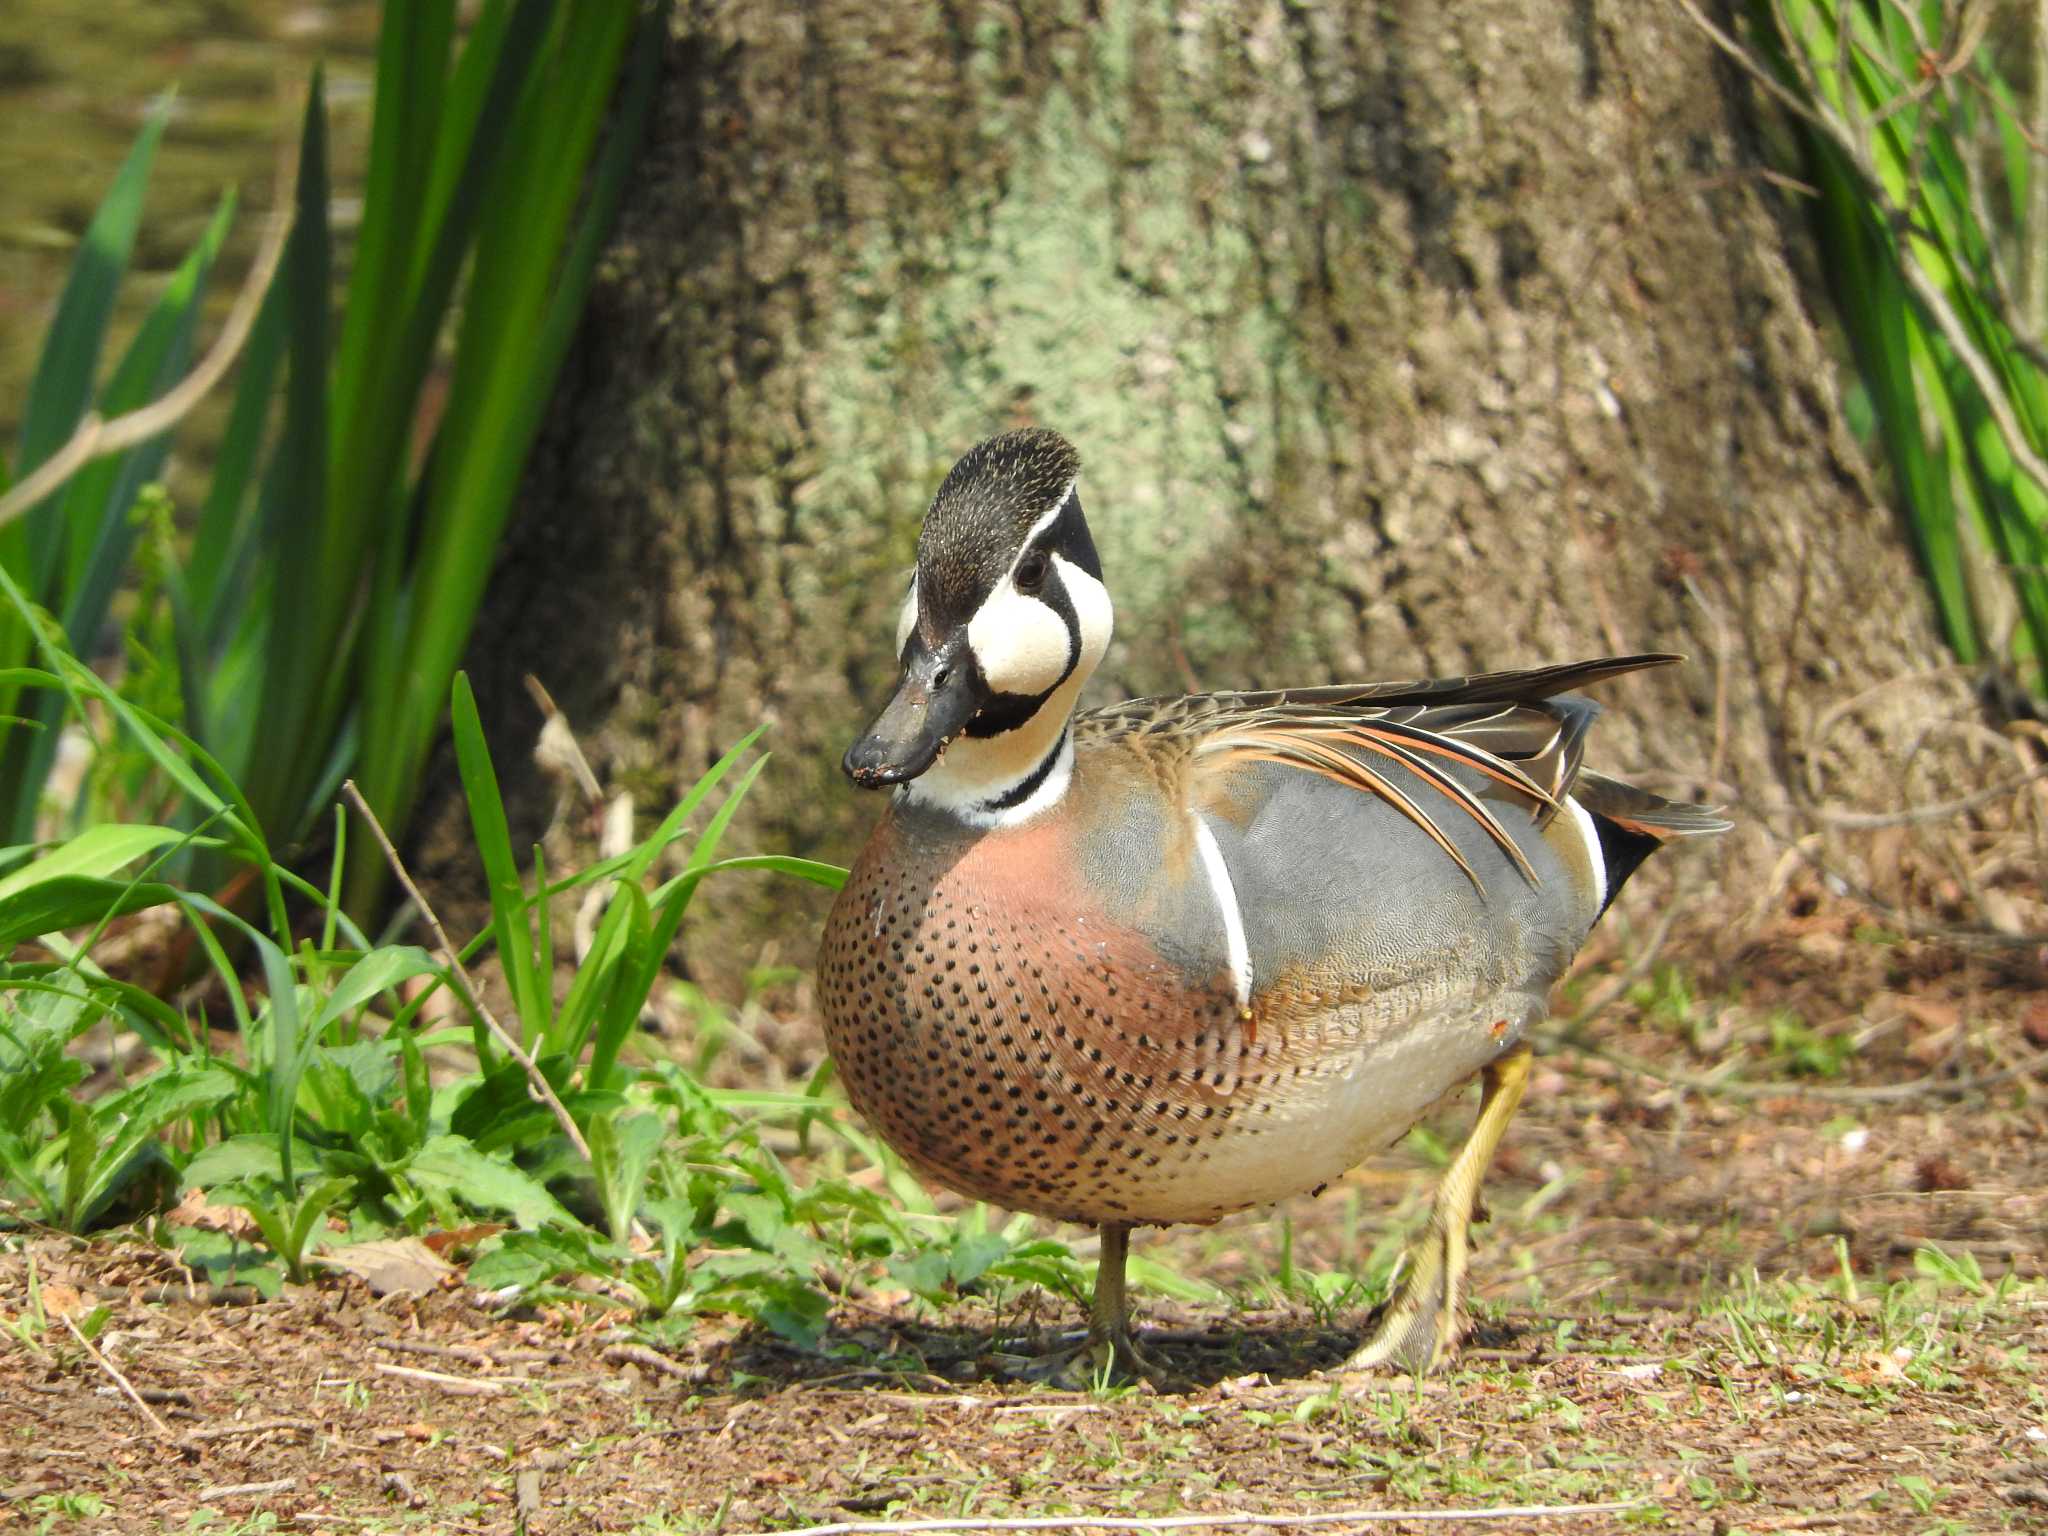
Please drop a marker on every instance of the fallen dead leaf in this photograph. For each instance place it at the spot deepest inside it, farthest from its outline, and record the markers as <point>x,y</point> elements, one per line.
<point>195,1210</point>
<point>391,1266</point>
<point>62,1300</point>
<point>446,1242</point>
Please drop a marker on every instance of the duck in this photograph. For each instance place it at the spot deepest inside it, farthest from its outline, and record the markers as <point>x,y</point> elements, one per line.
<point>1173,958</point>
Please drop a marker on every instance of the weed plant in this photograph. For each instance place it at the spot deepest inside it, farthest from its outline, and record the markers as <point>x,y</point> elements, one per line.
<point>1924,163</point>
<point>325,1124</point>
<point>305,621</point>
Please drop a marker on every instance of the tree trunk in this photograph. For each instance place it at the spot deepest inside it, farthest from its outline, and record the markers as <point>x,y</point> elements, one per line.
<point>1397,338</point>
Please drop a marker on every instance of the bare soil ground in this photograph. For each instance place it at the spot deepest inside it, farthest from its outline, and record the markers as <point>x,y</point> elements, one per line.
<point>1836,1093</point>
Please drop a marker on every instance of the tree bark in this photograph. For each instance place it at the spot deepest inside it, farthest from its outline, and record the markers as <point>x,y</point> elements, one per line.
<point>1397,338</point>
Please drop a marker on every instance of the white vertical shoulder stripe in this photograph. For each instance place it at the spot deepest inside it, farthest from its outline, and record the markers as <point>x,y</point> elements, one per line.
<point>1226,902</point>
<point>1598,858</point>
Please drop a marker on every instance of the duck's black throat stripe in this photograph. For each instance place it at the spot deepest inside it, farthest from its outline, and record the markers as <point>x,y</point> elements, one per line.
<point>1029,785</point>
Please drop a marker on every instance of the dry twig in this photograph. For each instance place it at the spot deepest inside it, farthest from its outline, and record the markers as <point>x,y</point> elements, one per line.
<point>120,1381</point>
<point>247,1490</point>
<point>1915,815</point>
<point>639,1354</point>
<point>251,1427</point>
<point>536,1080</point>
<point>458,1386</point>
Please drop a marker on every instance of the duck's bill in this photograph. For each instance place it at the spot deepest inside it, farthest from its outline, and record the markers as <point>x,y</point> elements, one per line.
<point>934,700</point>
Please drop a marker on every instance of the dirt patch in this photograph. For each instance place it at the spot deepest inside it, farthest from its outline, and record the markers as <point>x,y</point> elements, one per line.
<point>1663,1312</point>
<point>327,1408</point>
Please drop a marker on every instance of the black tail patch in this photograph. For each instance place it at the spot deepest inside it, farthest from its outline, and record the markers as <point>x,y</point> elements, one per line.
<point>1632,823</point>
<point>1623,850</point>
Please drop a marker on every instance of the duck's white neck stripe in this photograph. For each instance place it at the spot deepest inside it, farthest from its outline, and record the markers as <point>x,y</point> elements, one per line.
<point>1226,901</point>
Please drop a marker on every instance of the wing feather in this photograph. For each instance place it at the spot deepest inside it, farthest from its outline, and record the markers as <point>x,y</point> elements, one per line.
<point>1510,727</point>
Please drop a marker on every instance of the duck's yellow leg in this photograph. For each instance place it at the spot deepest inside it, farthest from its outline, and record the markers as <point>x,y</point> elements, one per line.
<point>1421,1323</point>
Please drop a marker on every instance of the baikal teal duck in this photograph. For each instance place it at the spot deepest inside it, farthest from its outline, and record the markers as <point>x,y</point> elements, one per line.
<point>1176,957</point>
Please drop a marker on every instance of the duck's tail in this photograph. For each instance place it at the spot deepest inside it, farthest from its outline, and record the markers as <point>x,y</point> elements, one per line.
<point>1632,823</point>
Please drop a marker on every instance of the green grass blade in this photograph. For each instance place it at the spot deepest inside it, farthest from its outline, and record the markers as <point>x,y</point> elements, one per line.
<point>830,876</point>
<point>1934,148</point>
<point>543,950</point>
<point>642,859</point>
<point>98,851</point>
<point>63,380</point>
<point>74,901</point>
<point>509,904</point>
<point>302,665</point>
<point>669,905</point>
<point>498,57</point>
<point>32,546</point>
<point>371,405</point>
<point>93,509</point>
<point>288,1043</point>
<point>102,535</point>
<point>216,569</point>
<point>592,984</point>
<point>369,534</point>
<point>631,980</point>
<point>157,738</point>
<point>1879,320</point>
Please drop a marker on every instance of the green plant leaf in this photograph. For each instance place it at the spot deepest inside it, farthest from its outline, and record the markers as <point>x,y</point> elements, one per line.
<point>98,851</point>
<point>596,981</point>
<point>24,1180</point>
<point>286,1041</point>
<point>128,1123</point>
<point>304,660</point>
<point>74,901</point>
<point>218,575</point>
<point>318,1201</point>
<point>622,1151</point>
<point>97,501</point>
<point>378,971</point>
<point>525,1260</point>
<point>629,980</point>
<point>63,381</point>
<point>454,1167</point>
<point>509,906</point>
<point>248,1158</point>
<point>518,315</point>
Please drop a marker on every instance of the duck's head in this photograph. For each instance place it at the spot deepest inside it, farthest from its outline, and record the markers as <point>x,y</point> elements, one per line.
<point>1005,619</point>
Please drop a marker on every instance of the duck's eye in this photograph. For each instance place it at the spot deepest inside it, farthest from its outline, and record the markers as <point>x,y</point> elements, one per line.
<point>1031,570</point>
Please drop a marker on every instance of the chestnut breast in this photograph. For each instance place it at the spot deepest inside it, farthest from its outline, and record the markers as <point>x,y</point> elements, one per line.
<point>1016,1040</point>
